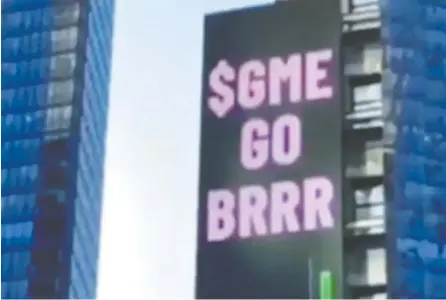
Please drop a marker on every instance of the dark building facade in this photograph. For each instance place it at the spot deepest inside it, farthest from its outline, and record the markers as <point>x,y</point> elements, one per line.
<point>56,58</point>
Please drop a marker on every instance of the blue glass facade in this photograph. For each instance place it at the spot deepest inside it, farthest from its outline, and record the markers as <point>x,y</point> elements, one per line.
<point>415,36</point>
<point>56,59</point>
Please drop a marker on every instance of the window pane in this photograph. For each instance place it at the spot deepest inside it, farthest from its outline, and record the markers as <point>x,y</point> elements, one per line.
<point>12,21</point>
<point>372,60</point>
<point>61,92</point>
<point>366,93</point>
<point>66,14</point>
<point>63,65</point>
<point>17,233</point>
<point>58,118</point>
<point>10,47</point>
<point>364,59</point>
<point>367,267</point>
<point>65,39</point>
<point>376,266</point>
<point>374,161</point>
<point>18,205</point>
<point>353,60</point>
<point>9,71</point>
<point>370,212</point>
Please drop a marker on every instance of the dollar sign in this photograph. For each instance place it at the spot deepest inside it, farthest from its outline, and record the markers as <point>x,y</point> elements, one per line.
<point>223,99</point>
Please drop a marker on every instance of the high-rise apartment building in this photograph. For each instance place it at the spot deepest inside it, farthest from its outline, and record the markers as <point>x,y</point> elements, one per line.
<point>399,210</point>
<point>56,58</point>
<point>364,202</point>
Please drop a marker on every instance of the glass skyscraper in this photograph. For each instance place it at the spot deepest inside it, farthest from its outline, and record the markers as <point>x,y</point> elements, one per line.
<point>414,32</point>
<point>56,58</point>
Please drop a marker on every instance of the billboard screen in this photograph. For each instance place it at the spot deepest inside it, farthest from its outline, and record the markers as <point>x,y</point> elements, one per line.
<point>270,157</point>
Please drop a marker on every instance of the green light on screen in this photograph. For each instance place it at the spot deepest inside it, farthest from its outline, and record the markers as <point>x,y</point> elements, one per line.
<point>326,285</point>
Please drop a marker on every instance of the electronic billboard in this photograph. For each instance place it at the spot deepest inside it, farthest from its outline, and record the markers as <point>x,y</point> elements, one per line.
<point>270,156</point>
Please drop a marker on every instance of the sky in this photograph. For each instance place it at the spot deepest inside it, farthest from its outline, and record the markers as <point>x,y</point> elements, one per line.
<point>150,192</point>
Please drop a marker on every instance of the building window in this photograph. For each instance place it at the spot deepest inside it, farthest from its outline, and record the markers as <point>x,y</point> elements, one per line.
<point>367,267</point>
<point>58,118</point>
<point>366,104</point>
<point>20,178</point>
<point>17,234</point>
<point>34,121</point>
<point>60,92</point>
<point>63,65</point>
<point>372,212</point>
<point>66,14</point>
<point>363,59</point>
<point>12,21</point>
<point>366,215</point>
<point>15,264</point>
<point>14,289</point>
<point>372,59</point>
<point>32,44</point>
<point>376,266</point>
<point>374,161</point>
<point>9,71</point>
<point>10,48</point>
<point>374,195</point>
<point>24,98</point>
<point>7,98</point>
<point>18,205</point>
<point>365,159</point>
<point>63,40</point>
<point>32,69</point>
<point>11,125</point>
<point>366,93</point>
